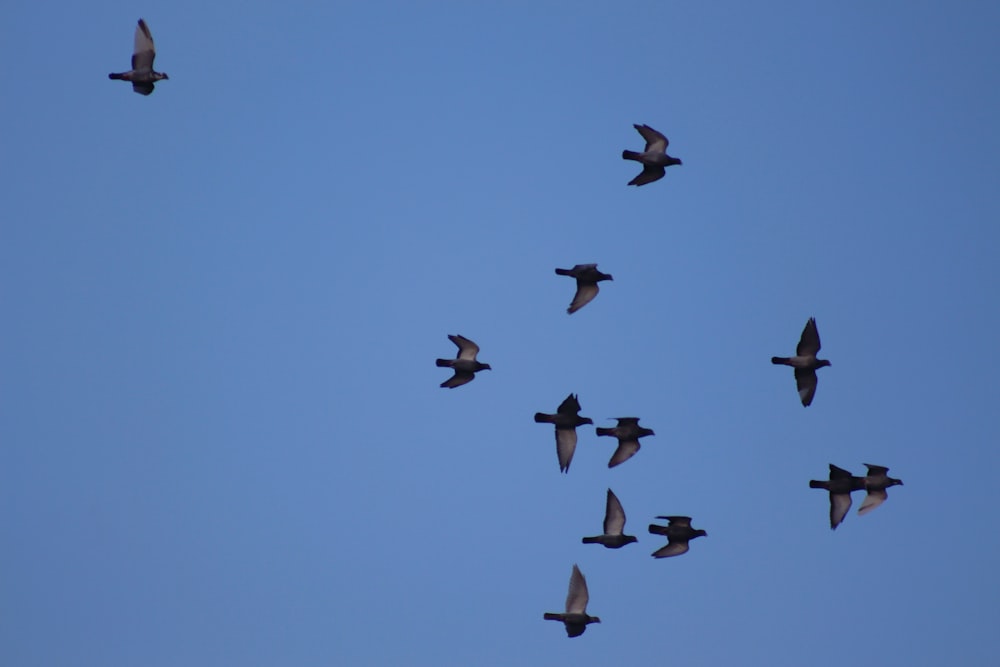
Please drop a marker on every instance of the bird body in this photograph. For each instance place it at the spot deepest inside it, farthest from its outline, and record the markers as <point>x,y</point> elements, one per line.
<point>805,362</point>
<point>465,365</point>
<point>875,483</point>
<point>654,157</point>
<point>142,76</point>
<point>575,618</point>
<point>587,276</point>
<point>628,433</point>
<point>614,526</point>
<point>678,532</point>
<point>840,486</point>
<point>566,419</point>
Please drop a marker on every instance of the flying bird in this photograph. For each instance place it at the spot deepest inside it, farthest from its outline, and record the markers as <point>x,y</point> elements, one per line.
<point>628,433</point>
<point>614,526</point>
<point>142,74</point>
<point>587,276</point>
<point>805,362</point>
<point>654,157</point>
<point>566,419</point>
<point>678,533</point>
<point>465,366</point>
<point>840,486</point>
<point>876,482</point>
<point>575,618</point>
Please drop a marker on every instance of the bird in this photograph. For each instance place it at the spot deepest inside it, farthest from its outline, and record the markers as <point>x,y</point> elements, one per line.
<point>628,433</point>
<point>614,526</point>
<point>678,533</point>
<point>654,157</point>
<point>840,486</point>
<point>805,362</point>
<point>876,482</point>
<point>587,276</point>
<point>142,74</point>
<point>465,366</point>
<point>575,618</point>
<point>566,419</point>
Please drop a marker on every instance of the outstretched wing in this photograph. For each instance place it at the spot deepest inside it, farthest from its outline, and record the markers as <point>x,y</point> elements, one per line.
<point>809,341</point>
<point>466,348</point>
<point>614,515</point>
<point>576,600</point>
<point>655,141</point>
<point>144,51</point>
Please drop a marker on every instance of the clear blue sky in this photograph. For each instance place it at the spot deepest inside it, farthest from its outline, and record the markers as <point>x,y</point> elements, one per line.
<point>223,441</point>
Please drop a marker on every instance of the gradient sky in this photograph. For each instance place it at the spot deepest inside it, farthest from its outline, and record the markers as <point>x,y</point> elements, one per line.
<point>223,441</point>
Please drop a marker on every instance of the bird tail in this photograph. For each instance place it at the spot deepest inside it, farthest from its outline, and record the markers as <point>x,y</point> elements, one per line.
<point>631,155</point>
<point>817,484</point>
<point>553,617</point>
<point>115,76</point>
<point>543,418</point>
<point>605,431</point>
<point>591,540</point>
<point>445,363</point>
<point>564,272</point>
<point>780,360</point>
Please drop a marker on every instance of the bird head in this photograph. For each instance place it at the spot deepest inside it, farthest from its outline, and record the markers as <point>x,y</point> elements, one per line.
<point>485,367</point>
<point>823,362</point>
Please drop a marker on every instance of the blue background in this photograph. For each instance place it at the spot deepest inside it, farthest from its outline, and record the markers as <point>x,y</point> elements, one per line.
<point>223,442</point>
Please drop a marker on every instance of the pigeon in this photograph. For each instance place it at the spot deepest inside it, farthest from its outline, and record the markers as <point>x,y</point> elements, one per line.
<point>142,74</point>
<point>678,533</point>
<point>805,362</point>
<point>876,482</point>
<point>654,157</point>
<point>566,419</point>
<point>575,618</point>
<point>465,365</point>
<point>840,486</point>
<point>614,525</point>
<point>628,433</point>
<point>587,276</point>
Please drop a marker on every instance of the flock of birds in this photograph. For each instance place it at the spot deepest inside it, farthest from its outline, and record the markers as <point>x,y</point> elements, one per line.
<point>678,531</point>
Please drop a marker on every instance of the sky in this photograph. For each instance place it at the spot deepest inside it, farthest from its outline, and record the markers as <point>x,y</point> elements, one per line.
<point>223,440</point>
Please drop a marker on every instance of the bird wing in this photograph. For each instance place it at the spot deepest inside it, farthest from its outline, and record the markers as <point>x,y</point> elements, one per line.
<point>805,380</point>
<point>874,470</point>
<point>466,348</point>
<point>585,293</point>
<point>809,341</point>
<point>874,498</point>
<point>648,175</point>
<point>565,447</point>
<point>576,600</point>
<point>626,450</point>
<point>614,515</point>
<point>677,520</point>
<point>839,473</point>
<point>458,379</point>
<point>840,503</point>
<point>144,51</point>
<point>142,88</point>
<point>627,421</point>
<point>570,406</point>
<point>655,141</point>
<point>671,549</point>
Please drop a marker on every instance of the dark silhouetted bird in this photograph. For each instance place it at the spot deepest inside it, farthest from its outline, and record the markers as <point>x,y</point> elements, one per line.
<point>614,526</point>
<point>575,618</point>
<point>678,533</point>
<point>142,75</point>
<point>465,366</point>
<point>654,157</point>
<point>587,276</point>
<point>628,433</point>
<point>566,419</point>
<point>840,486</point>
<point>876,482</point>
<point>805,362</point>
